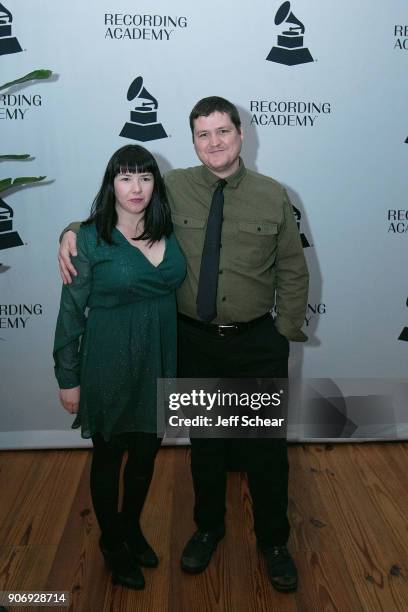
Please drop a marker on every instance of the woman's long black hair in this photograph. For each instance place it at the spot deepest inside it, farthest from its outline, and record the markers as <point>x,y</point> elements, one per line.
<point>157,218</point>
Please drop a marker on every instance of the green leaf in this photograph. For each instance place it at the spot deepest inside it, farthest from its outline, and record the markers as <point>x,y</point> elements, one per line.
<point>5,183</point>
<point>22,156</point>
<point>24,180</point>
<point>31,76</point>
<point>21,180</point>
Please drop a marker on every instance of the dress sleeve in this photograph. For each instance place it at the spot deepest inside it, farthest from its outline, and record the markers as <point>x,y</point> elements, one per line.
<point>71,320</point>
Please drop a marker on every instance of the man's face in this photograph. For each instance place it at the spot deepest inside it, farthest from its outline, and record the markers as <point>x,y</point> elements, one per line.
<point>218,143</point>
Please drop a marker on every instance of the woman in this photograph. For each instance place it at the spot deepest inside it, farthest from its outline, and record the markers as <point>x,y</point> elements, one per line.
<point>107,362</point>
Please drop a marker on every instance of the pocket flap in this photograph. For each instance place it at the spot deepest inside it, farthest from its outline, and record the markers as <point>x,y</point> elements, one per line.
<point>263,228</point>
<point>185,221</point>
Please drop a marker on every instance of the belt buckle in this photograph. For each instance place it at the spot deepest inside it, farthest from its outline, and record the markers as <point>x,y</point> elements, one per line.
<point>221,329</point>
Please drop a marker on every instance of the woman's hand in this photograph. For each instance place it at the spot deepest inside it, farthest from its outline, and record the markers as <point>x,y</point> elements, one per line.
<point>69,398</point>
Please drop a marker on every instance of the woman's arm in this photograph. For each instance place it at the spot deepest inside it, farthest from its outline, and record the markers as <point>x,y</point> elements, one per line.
<point>70,327</point>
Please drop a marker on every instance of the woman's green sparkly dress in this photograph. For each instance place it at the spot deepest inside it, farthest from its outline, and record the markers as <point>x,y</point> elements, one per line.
<point>128,338</point>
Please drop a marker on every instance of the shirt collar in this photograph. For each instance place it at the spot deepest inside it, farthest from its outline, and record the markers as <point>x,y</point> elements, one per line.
<point>211,180</point>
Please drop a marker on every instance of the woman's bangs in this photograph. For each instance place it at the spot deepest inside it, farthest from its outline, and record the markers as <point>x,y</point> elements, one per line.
<point>132,164</point>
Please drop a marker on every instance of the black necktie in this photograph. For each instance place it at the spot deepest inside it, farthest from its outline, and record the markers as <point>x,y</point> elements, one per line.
<point>207,284</point>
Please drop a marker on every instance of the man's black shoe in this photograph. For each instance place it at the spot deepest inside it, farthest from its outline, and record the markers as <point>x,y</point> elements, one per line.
<point>199,549</point>
<point>124,569</point>
<point>282,570</point>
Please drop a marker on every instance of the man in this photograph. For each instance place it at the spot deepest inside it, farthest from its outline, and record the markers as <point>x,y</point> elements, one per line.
<point>244,257</point>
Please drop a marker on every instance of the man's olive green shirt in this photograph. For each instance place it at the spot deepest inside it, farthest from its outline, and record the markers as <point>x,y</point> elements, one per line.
<point>262,265</point>
<point>261,258</point>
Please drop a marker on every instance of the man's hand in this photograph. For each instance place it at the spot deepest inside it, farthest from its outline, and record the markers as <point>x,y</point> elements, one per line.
<point>66,251</point>
<point>69,398</point>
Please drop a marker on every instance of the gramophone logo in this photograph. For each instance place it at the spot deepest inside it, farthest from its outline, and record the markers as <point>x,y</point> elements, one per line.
<point>8,238</point>
<point>289,50</point>
<point>8,43</point>
<point>404,334</point>
<point>143,124</point>
<point>298,217</point>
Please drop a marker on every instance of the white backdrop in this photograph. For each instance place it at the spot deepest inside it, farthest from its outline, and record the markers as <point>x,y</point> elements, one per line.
<point>332,130</point>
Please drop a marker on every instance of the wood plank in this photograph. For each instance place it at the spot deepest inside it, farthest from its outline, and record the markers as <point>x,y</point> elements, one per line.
<point>325,583</point>
<point>78,564</point>
<point>36,506</point>
<point>312,526</point>
<point>25,568</point>
<point>347,506</point>
<point>369,554</point>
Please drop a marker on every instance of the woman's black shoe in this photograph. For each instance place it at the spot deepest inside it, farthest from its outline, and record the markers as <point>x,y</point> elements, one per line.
<point>124,569</point>
<point>141,550</point>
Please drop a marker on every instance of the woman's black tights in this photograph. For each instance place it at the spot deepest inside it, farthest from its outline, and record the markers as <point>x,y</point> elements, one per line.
<point>105,473</point>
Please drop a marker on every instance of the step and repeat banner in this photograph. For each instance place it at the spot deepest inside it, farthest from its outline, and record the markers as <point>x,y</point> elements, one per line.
<point>322,90</point>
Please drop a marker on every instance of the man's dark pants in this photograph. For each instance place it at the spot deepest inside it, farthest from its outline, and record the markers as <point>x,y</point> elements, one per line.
<point>258,352</point>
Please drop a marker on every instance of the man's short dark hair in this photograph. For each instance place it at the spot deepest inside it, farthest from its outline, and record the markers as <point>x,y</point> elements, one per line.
<point>213,104</point>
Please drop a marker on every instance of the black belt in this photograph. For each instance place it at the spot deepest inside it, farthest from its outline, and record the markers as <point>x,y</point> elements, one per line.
<point>228,328</point>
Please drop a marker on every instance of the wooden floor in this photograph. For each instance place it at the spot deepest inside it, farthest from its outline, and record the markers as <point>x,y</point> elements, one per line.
<point>348,510</point>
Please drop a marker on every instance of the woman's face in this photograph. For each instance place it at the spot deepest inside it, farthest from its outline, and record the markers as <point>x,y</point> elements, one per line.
<point>133,191</point>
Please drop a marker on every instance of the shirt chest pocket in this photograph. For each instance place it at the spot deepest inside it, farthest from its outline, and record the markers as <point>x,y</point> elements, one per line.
<point>190,233</point>
<point>257,241</point>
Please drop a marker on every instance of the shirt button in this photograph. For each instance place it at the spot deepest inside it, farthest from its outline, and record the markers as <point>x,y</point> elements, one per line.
<point>220,245</point>
<point>220,272</point>
<point>259,229</point>
<point>185,221</point>
<point>223,299</point>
